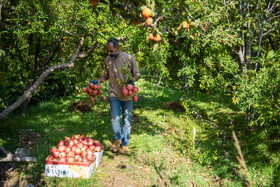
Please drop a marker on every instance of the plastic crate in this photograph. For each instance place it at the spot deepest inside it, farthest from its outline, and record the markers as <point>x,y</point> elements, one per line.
<point>98,157</point>
<point>69,169</point>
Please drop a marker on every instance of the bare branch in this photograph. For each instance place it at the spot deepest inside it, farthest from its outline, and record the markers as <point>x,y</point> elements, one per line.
<point>196,21</point>
<point>131,9</point>
<point>266,33</point>
<point>29,92</point>
<point>244,48</point>
<point>18,159</point>
<point>271,18</point>
<point>260,76</point>
<point>65,30</point>
<point>241,8</point>
<point>156,21</point>
<point>261,36</point>
<point>51,54</point>
<point>85,54</point>
<point>228,19</point>
<point>268,7</point>
<point>5,151</point>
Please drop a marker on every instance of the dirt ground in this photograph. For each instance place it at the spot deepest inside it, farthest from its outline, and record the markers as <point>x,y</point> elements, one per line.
<point>117,172</point>
<point>6,169</point>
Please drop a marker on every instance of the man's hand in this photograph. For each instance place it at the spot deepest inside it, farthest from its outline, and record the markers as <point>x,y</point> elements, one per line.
<point>130,82</point>
<point>94,82</point>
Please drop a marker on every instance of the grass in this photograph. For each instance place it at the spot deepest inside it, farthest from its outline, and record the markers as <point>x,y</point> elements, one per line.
<point>161,141</point>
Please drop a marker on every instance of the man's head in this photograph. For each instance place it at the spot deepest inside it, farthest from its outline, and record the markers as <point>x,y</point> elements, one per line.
<point>113,47</point>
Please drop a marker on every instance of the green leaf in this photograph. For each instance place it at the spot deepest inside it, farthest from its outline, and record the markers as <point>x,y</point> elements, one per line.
<point>155,46</point>
<point>270,54</point>
<point>2,53</point>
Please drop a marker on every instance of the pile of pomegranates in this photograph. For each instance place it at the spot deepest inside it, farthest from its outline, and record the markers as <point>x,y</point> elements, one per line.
<point>76,149</point>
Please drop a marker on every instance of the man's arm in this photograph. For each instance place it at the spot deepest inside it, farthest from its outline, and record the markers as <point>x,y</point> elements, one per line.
<point>104,77</point>
<point>137,76</point>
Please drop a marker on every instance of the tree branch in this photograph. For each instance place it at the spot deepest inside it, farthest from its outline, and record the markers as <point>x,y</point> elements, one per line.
<point>227,12</point>
<point>28,93</point>
<point>5,151</point>
<point>266,33</point>
<point>268,7</point>
<point>85,54</point>
<point>269,19</point>
<point>65,30</point>
<point>260,40</point>
<point>156,21</point>
<point>272,7</point>
<point>196,21</point>
<point>51,54</point>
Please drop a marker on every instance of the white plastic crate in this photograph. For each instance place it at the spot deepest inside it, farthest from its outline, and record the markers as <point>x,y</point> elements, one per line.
<point>98,157</point>
<point>69,169</point>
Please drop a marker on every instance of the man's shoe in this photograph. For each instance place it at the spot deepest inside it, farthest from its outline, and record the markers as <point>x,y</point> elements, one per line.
<point>124,150</point>
<point>116,146</point>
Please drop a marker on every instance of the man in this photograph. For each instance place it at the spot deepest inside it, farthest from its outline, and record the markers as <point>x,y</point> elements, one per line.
<point>113,64</point>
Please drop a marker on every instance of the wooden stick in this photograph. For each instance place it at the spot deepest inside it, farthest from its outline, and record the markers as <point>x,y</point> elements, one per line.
<point>19,159</point>
<point>5,151</point>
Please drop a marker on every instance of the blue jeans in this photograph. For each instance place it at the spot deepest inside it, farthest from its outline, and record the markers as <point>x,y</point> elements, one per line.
<point>126,106</point>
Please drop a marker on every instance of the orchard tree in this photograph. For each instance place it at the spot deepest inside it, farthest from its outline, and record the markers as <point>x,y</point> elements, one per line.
<point>40,37</point>
<point>222,45</point>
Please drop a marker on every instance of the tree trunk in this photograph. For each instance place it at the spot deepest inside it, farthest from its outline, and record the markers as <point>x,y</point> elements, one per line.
<point>7,104</point>
<point>248,53</point>
<point>158,83</point>
<point>24,106</point>
<point>38,64</point>
<point>241,57</point>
